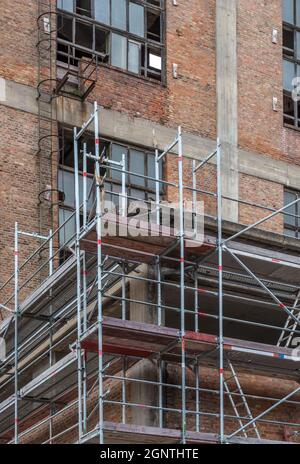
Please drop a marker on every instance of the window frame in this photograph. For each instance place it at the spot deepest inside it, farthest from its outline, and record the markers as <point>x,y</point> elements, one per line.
<point>145,72</point>
<point>286,226</point>
<point>295,121</point>
<point>149,192</point>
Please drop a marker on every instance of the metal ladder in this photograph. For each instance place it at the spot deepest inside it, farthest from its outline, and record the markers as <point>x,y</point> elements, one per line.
<point>290,326</point>
<point>238,400</point>
<point>47,124</point>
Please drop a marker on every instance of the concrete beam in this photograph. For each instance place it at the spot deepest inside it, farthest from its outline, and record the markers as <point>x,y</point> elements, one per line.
<point>146,133</point>
<point>227,129</point>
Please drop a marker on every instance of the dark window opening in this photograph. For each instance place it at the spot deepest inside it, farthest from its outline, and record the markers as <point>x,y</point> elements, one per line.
<point>84,7</point>
<point>84,35</point>
<point>291,62</point>
<point>65,28</point>
<point>154,26</point>
<point>126,34</point>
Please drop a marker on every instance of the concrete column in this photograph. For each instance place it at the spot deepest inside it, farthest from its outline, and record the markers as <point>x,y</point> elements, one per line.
<point>143,393</point>
<point>227,105</point>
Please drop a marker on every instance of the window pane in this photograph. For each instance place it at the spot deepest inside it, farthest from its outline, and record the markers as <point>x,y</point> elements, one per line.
<point>84,35</point>
<point>288,75</point>
<point>154,61</point>
<point>136,19</point>
<point>137,165</point>
<point>118,14</point>
<point>68,230</point>
<point>288,109</point>
<point>102,13</point>
<point>65,28</point>
<point>119,51</point>
<point>65,5</point>
<point>298,12</point>
<point>151,172</point>
<point>66,184</point>
<point>288,11</point>
<point>116,155</point>
<point>133,57</point>
<point>298,44</point>
<point>289,197</point>
<point>288,42</point>
<point>84,7</point>
<point>153,26</point>
<point>290,233</point>
<point>101,41</point>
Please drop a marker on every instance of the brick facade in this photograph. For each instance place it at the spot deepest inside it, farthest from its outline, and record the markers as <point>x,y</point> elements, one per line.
<point>189,100</point>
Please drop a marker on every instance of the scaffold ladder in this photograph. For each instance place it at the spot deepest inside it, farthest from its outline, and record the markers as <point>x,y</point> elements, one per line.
<point>238,400</point>
<point>290,326</point>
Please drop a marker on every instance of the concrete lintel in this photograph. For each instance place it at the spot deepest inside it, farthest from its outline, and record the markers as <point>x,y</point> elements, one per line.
<point>144,132</point>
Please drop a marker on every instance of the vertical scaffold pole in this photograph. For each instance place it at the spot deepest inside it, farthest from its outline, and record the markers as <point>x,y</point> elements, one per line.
<point>197,386</point>
<point>159,301</point>
<point>220,262</point>
<point>84,354</point>
<point>157,187</point>
<point>194,202</point>
<point>182,293</point>
<point>16,341</point>
<point>124,194</point>
<point>160,365</point>
<point>50,253</point>
<point>99,272</point>
<point>84,186</point>
<point>78,283</point>
<point>51,330</point>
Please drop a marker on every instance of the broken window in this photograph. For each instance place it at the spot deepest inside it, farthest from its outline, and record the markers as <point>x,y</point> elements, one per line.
<point>84,34</point>
<point>126,34</point>
<point>102,42</point>
<point>84,7</point>
<point>154,26</point>
<point>291,61</point>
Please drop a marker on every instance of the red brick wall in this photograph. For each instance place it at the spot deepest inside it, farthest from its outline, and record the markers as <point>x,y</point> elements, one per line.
<point>254,385</point>
<point>189,100</point>
<point>259,79</point>
<point>19,184</point>
<point>18,33</point>
<point>264,193</point>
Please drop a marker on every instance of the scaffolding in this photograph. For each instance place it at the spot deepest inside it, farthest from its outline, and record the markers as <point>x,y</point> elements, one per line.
<point>75,352</point>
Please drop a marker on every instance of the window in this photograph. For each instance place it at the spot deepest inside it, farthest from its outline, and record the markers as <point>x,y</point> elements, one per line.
<point>126,34</point>
<point>292,214</point>
<point>140,162</point>
<point>291,60</point>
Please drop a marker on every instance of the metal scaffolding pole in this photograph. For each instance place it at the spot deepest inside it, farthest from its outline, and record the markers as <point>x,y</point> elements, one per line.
<point>220,263</point>
<point>99,207</point>
<point>78,283</point>
<point>16,341</point>
<point>182,282</point>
